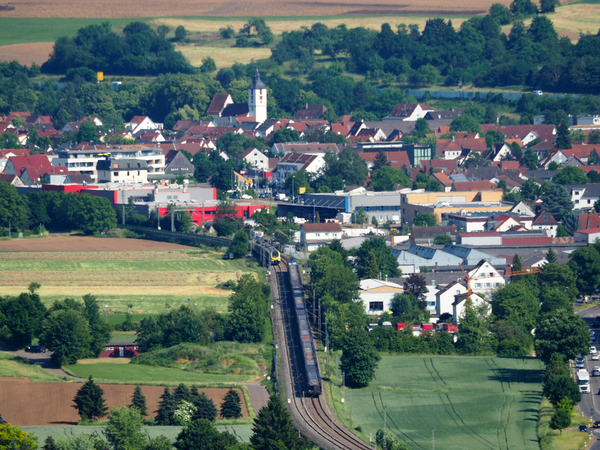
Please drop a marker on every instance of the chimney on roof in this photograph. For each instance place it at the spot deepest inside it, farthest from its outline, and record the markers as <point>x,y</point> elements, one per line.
<point>452,138</point>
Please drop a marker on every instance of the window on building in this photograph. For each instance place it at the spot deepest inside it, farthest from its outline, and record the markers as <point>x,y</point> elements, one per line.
<point>375,306</point>
<point>116,174</point>
<point>128,172</point>
<point>478,285</point>
<point>488,284</point>
<point>318,234</point>
<point>138,172</point>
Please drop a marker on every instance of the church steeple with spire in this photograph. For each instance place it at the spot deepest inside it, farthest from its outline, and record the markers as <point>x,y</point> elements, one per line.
<point>257,99</point>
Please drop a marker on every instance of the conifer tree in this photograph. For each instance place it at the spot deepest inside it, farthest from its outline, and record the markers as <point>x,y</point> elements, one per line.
<point>182,393</point>
<point>89,401</point>
<point>551,256</point>
<point>139,401</point>
<point>49,444</point>
<point>166,409</point>
<point>372,268</point>
<point>205,407</point>
<point>2,421</point>
<point>273,429</point>
<point>231,407</point>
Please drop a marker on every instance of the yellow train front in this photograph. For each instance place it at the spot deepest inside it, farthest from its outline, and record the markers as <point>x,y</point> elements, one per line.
<point>275,257</point>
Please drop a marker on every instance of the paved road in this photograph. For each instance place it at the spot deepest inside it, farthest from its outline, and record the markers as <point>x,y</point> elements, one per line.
<point>590,403</point>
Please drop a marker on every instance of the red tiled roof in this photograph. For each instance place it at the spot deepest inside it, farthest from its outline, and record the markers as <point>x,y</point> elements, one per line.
<point>442,178</point>
<point>590,231</point>
<point>510,165</point>
<point>544,218</point>
<point>482,185</point>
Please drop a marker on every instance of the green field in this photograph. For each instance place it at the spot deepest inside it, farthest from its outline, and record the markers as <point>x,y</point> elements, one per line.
<point>120,373</point>
<point>14,366</point>
<point>469,402</point>
<point>243,432</point>
<point>151,282</point>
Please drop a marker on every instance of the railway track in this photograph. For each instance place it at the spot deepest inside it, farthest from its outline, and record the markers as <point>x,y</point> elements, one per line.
<point>311,414</point>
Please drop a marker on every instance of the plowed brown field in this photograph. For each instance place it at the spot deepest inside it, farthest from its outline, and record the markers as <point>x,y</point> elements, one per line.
<point>27,403</point>
<point>86,244</point>
<point>265,8</point>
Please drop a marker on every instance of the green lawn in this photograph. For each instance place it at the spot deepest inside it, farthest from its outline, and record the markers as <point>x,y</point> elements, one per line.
<point>243,432</point>
<point>469,402</point>
<point>135,373</point>
<point>123,336</point>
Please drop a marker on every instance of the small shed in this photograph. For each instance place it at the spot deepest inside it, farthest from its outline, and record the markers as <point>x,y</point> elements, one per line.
<point>120,350</point>
<point>587,236</point>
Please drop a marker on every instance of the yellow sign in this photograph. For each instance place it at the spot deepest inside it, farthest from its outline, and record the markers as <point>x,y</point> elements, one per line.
<point>100,76</point>
<point>302,190</point>
<point>249,181</point>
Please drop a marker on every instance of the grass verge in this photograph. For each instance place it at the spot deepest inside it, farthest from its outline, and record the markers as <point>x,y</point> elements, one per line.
<point>554,440</point>
<point>15,366</point>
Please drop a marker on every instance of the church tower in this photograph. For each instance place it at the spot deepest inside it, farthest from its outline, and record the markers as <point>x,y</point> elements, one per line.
<point>257,99</point>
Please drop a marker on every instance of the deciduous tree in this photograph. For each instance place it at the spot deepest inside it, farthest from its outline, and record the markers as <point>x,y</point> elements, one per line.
<point>359,358</point>
<point>563,332</point>
<point>124,429</point>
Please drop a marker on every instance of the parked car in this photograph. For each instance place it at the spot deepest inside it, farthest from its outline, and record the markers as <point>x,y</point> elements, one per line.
<point>596,357</point>
<point>582,428</point>
<point>35,349</point>
<point>597,424</point>
<point>235,196</point>
<point>596,324</point>
<point>593,350</point>
<point>247,197</point>
<point>225,256</point>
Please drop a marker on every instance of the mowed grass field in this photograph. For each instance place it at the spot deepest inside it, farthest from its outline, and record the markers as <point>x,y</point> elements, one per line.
<point>123,373</point>
<point>13,366</point>
<point>152,282</point>
<point>469,402</point>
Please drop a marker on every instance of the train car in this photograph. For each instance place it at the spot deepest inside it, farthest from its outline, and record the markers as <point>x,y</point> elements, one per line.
<point>309,353</point>
<point>275,257</point>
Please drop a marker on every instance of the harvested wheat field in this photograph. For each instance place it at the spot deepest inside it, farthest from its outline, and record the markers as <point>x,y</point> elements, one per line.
<point>266,8</point>
<point>27,53</point>
<point>27,403</point>
<point>85,244</point>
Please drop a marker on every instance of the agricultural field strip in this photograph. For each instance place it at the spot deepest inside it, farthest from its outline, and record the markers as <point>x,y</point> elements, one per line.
<point>106,255</point>
<point>101,278</point>
<point>465,408</point>
<point>128,265</point>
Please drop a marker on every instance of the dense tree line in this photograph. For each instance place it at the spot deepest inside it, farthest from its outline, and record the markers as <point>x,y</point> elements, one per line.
<point>246,321</point>
<point>139,51</point>
<point>476,53</point>
<point>70,329</point>
<point>54,210</point>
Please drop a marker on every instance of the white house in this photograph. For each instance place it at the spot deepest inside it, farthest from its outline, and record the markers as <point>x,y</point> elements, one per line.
<point>409,112</point>
<point>444,299</point>
<point>587,236</point>
<point>142,123</point>
<point>315,235</point>
<point>293,162</point>
<point>484,279</point>
<point>545,221</point>
<point>122,171</point>
<point>377,295</point>
<point>255,158</point>
<point>458,307</point>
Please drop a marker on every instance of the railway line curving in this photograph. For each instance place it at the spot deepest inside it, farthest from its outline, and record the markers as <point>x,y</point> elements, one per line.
<point>311,414</point>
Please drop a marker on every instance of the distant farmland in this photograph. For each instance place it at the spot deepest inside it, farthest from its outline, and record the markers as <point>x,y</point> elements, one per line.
<point>469,402</point>
<point>150,281</point>
<point>266,8</point>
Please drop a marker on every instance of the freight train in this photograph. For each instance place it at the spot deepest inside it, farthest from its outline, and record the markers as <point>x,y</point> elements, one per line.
<point>309,353</point>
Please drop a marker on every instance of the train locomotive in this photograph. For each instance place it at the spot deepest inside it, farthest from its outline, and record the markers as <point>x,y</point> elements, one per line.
<point>275,257</point>
<point>309,353</point>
